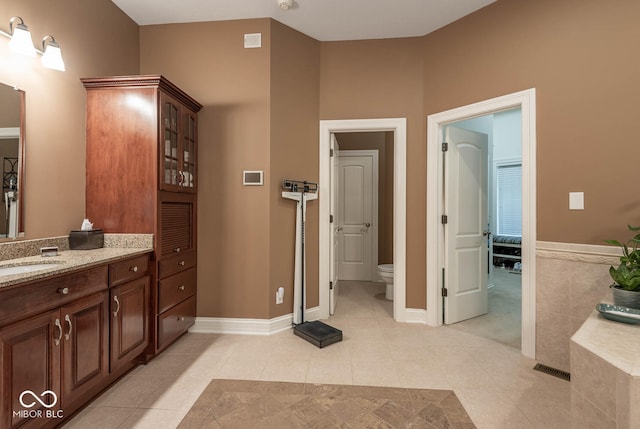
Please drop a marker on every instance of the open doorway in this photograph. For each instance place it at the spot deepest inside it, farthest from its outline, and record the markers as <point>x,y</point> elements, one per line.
<point>363,223</point>
<point>328,128</point>
<point>502,321</point>
<point>437,256</point>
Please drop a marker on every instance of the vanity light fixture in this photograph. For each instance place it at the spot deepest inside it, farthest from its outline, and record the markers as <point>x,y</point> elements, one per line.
<point>21,42</point>
<point>52,56</point>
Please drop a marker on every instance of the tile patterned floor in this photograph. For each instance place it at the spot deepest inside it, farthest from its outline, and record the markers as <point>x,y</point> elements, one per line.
<point>494,382</point>
<point>277,405</point>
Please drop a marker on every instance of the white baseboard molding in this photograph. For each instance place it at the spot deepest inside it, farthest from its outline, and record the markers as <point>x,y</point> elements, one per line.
<point>224,325</point>
<point>415,315</point>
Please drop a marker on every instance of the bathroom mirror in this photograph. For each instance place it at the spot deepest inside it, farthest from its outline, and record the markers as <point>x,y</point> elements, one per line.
<point>12,143</point>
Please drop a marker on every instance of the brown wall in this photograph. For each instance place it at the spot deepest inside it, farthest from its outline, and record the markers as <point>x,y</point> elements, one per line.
<point>209,62</point>
<point>383,79</point>
<point>580,57</point>
<point>260,113</point>
<point>96,39</point>
<point>295,69</point>
<point>382,141</point>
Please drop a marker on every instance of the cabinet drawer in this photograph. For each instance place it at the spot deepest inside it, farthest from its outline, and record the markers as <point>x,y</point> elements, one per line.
<point>176,288</point>
<point>124,271</point>
<point>175,264</point>
<point>176,321</point>
<point>33,298</point>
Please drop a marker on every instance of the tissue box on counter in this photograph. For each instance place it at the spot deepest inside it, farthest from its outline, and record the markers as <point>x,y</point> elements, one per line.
<point>86,240</point>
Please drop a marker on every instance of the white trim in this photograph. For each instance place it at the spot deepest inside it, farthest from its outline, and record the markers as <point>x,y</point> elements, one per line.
<point>416,315</point>
<point>399,127</point>
<point>223,325</point>
<point>589,253</point>
<point>526,100</point>
<point>374,202</point>
<point>10,133</point>
<point>590,249</point>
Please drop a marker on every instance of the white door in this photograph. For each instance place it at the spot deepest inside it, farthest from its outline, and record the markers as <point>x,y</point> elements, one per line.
<point>466,228</point>
<point>356,213</point>
<point>335,227</point>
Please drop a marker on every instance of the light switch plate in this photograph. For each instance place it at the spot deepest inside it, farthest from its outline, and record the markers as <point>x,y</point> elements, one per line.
<point>576,200</point>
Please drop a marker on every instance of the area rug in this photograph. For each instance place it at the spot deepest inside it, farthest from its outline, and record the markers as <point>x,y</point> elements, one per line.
<point>265,405</point>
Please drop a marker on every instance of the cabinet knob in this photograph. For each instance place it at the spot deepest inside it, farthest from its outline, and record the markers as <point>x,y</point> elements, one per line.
<point>181,319</point>
<point>181,287</point>
<point>177,250</point>
<point>63,290</point>
<point>181,263</point>
<point>134,269</point>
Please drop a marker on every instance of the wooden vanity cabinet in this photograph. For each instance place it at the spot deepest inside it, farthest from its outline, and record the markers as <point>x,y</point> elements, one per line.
<point>63,350</point>
<point>130,304</point>
<point>60,334</point>
<point>142,178</point>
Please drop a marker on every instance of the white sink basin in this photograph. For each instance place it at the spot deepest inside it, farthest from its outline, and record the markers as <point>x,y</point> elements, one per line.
<point>27,268</point>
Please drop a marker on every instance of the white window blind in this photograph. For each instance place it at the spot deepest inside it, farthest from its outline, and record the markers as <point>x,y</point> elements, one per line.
<point>509,198</point>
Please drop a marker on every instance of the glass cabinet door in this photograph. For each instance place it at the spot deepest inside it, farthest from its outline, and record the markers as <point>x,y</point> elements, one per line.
<point>189,152</point>
<point>170,175</point>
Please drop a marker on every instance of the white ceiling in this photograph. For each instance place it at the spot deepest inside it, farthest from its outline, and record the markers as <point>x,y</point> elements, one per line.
<point>324,20</point>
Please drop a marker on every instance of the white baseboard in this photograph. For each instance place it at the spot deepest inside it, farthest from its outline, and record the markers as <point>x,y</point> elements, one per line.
<point>223,325</point>
<point>415,315</point>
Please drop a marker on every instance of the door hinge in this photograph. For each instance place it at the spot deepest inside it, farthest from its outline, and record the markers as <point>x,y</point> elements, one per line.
<point>445,146</point>
<point>330,218</point>
<point>445,219</point>
<point>330,285</point>
<point>330,152</point>
<point>444,292</point>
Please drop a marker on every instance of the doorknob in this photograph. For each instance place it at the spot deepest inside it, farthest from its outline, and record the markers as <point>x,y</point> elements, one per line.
<point>367,224</point>
<point>486,233</point>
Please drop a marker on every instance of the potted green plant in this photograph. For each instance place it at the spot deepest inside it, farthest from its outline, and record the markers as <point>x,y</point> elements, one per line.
<point>626,276</point>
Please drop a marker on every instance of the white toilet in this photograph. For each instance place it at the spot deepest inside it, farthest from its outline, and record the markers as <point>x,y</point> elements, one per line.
<point>385,272</point>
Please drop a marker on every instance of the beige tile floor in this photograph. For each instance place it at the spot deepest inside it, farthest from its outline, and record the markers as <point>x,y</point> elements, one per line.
<point>493,381</point>
<point>503,323</point>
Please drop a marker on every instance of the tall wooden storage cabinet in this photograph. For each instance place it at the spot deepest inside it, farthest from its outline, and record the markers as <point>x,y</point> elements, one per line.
<point>142,178</point>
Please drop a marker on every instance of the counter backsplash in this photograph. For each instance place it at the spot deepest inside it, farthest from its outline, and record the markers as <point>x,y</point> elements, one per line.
<point>25,248</point>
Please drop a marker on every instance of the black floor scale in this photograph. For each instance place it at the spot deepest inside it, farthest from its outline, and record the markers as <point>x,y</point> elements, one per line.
<point>317,333</point>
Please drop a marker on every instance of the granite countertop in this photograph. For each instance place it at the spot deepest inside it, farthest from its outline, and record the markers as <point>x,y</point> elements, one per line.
<point>116,247</point>
<point>614,342</point>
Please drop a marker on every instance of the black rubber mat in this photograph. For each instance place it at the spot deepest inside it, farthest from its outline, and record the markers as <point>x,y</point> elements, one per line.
<point>318,333</point>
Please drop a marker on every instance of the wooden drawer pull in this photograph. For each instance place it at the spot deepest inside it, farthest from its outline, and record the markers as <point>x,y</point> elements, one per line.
<point>63,290</point>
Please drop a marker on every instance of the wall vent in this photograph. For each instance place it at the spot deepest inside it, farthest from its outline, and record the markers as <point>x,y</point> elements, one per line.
<point>253,40</point>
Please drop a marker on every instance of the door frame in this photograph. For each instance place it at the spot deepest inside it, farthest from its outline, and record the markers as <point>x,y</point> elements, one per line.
<point>399,127</point>
<point>374,201</point>
<point>526,100</point>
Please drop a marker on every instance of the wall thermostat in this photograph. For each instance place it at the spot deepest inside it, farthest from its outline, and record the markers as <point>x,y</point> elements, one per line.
<point>252,178</point>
